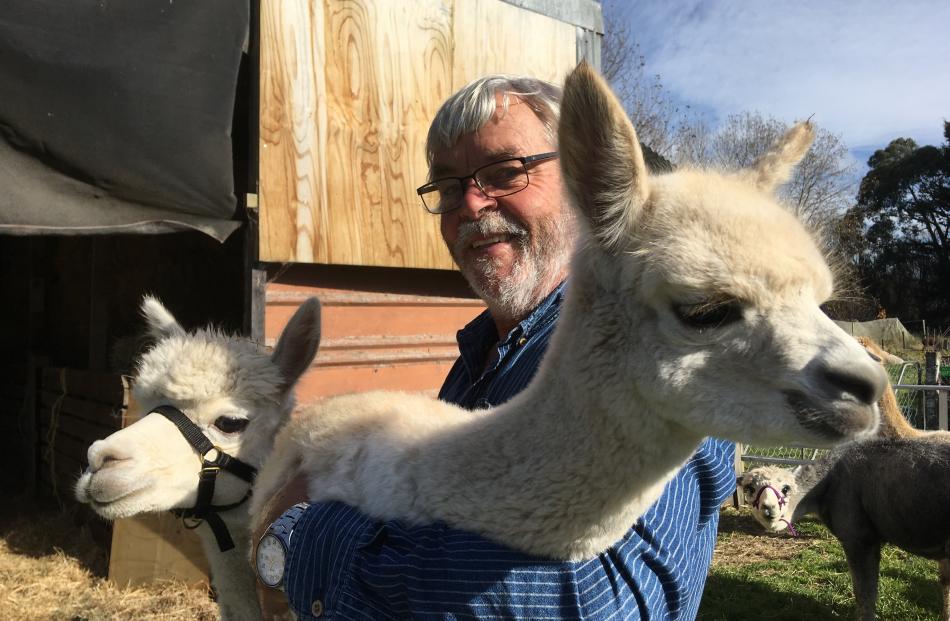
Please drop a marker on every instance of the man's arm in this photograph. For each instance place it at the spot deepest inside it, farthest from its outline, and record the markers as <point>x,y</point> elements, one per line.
<point>274,605</point>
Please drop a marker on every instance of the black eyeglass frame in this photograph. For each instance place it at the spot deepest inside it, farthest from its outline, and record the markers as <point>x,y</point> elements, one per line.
<point>525,160</point>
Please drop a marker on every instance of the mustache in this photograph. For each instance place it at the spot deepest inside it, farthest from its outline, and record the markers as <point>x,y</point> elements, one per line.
<point>494,224</point>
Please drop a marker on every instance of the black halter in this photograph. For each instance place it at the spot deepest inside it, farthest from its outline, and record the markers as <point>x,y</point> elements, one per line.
<point>203,509</point>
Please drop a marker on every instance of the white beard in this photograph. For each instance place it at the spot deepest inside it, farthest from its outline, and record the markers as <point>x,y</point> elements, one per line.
<point>539,262</point>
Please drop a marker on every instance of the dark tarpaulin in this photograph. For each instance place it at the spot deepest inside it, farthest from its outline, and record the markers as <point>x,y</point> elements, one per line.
<point>115,115</point>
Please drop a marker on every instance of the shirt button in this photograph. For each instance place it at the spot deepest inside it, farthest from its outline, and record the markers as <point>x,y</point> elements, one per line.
<point>316,608</point>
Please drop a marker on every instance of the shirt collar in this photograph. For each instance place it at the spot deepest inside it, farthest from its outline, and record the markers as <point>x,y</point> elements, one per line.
<point>477,337</point>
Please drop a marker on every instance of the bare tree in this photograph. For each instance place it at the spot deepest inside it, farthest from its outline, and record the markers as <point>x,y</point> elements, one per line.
<point>661,122</point>
<point>822,186</point>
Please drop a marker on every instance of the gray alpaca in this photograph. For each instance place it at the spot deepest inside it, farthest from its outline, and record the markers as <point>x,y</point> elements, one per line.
<point>868,493</point>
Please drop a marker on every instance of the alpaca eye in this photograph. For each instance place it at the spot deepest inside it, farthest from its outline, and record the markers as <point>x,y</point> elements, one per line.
<point>786,489</point>
<point>749,490</point>
<point>708,315</point>
<point>231,424</point>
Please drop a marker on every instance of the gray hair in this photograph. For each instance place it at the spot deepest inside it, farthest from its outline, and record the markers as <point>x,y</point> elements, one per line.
<point>473,106</point>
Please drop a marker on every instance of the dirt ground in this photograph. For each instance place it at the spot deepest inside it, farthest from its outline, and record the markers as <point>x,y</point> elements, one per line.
<point>742,541</point>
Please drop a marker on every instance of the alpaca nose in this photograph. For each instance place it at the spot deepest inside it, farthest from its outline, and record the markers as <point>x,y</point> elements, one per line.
<point>100,455</point>
<point>866,383</point>
<point>768,513</point>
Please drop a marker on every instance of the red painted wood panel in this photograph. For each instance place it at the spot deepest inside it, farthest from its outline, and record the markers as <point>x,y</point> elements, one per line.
<point>382,330</point>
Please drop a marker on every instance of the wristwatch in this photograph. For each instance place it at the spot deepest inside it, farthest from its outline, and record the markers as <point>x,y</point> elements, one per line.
<point>274,547</point>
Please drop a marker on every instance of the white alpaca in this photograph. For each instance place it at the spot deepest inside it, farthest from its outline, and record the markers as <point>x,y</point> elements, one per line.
<point>773,493</point>
<point>238,396</point>
<point>692,310</point>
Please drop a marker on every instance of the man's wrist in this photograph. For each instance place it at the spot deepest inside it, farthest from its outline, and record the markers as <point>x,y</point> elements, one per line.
<point>273,549</point>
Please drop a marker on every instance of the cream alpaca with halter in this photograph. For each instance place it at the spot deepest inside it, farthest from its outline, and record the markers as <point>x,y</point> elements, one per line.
<point>237,395</point>
<point>692,311</point>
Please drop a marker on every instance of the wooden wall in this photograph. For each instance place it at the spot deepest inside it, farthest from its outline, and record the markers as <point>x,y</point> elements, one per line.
<point>347,91</point>
<point>74,408</point>
<point>383,328</point>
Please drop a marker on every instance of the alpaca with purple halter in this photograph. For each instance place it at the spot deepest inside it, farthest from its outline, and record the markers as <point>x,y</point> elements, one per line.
<point>767,490</point>
<point>867,493</point>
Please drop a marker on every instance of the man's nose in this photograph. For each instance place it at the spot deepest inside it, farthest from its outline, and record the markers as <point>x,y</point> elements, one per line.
<point>474,200</point>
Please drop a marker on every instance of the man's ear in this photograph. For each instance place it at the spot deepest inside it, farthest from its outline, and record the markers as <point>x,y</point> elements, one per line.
<point>298,343</point>
<point>161,323</point>
<point>601,159</point>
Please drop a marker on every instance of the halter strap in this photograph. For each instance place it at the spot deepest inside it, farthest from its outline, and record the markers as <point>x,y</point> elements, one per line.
<point>213,460</point>
<point>781,497</point>
<point>791,528</point>
<point>200,442</point>
<point>782,501</point>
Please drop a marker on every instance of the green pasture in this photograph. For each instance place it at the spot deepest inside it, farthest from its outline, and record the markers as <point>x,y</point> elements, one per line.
<point>763,576</point>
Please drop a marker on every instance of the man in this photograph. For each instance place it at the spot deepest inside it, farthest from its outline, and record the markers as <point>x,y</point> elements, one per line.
<point>496,186</point>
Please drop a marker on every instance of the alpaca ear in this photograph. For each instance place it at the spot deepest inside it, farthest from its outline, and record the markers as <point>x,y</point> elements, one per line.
<point>161,323</point>
<point>298,343</point>
<point>775,167</point>
<point>601,160</point>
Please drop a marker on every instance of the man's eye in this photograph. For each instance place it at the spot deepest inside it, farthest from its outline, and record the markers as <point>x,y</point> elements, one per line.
<point>502,177</point>
<point>450,191</point>
<point>231,424</point>
<point>708,315</point>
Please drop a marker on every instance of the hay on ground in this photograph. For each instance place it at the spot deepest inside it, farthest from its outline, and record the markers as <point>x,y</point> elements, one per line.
<point>51,569</point>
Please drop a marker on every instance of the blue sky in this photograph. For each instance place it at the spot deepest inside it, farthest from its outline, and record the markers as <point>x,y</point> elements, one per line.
<point>868,70</point>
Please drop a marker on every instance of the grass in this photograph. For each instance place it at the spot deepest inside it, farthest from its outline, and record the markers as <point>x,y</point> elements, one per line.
<point>763,576</point>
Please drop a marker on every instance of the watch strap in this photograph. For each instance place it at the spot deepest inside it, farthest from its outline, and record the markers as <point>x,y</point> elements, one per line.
<point>283,526</point>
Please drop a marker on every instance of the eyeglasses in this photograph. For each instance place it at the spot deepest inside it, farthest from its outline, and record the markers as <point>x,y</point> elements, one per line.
<point>494,180</point>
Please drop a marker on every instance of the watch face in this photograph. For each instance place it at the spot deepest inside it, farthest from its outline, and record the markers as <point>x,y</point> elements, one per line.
<point>271,557</point>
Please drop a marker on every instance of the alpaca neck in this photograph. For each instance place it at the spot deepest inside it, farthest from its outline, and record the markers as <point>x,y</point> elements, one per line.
<point>578,454</point>
<point>231,574</point>
<point>893,423</point>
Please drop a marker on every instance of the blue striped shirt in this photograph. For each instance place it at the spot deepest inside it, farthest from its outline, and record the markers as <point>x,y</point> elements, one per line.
<point>360,568</point>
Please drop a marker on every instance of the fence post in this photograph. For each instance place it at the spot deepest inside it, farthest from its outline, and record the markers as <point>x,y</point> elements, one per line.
<point>931,378</point>
<point>738,467</point>
<point>942,410</point>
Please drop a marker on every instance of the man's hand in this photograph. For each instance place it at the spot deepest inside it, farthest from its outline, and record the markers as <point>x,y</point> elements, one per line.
<point>274,605</point>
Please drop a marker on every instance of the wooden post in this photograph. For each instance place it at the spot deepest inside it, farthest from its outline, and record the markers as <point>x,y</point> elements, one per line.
<point>737,466</point>
<point>931,378</point>
<point>255,275</point>
<point>942,410</point>
<point>255,272</point>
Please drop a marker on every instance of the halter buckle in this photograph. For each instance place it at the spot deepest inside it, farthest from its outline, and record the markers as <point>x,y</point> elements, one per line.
<point>217,451</point>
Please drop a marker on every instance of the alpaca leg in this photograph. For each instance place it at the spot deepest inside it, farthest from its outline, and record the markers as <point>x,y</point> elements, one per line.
<point>864,562</point>
<point>944,567</point>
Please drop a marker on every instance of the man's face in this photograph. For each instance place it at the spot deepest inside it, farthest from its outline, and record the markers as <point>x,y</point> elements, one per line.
<point>512,249</point>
